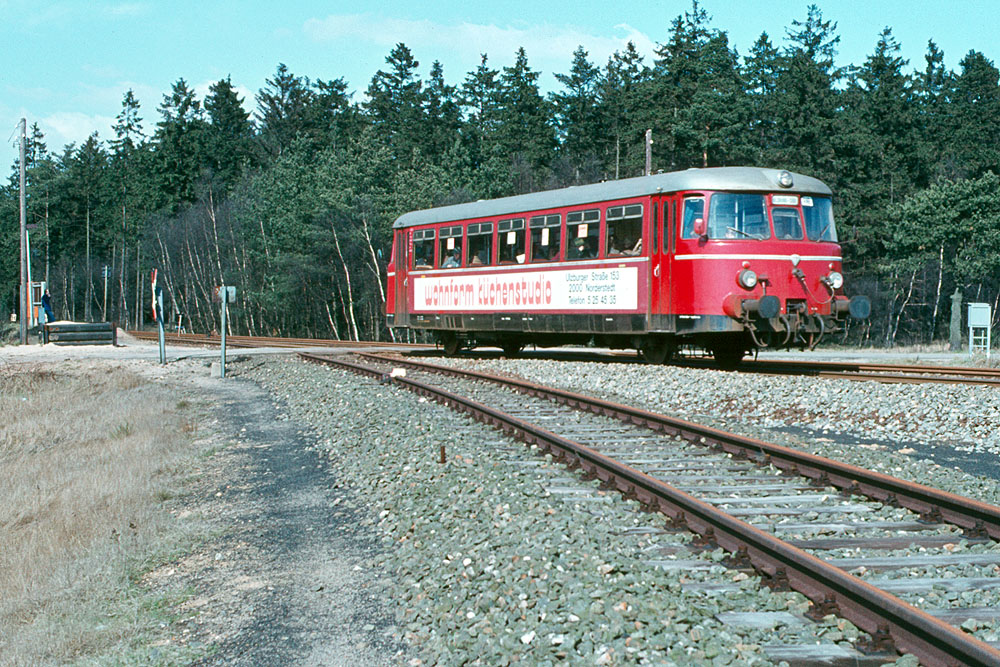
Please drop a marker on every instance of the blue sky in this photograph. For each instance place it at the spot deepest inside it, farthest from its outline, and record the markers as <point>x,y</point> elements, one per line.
<point>67,64</point>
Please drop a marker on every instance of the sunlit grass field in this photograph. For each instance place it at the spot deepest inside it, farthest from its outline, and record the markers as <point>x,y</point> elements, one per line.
<point>88,458</point>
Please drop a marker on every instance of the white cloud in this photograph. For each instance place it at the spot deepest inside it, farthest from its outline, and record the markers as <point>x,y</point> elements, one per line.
<point>549,47</point>
<point>64,127</point>
<point>126,9</point>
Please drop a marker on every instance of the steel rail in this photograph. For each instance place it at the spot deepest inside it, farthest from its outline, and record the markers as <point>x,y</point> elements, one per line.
<point>888,373</point>
<point>975,517</point>
<point>832,590</point>
<point>262,341</point>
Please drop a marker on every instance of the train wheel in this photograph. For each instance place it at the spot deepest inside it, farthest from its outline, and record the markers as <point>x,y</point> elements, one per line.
<point>657,352</point>
<point>449,341</point>
<point>511,348</point>
<point>728,358</point>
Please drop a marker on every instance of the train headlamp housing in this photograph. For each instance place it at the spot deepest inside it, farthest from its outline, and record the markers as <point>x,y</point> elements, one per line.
<point>747,279</point>
<point>785,179</point>
<point>834,279</point>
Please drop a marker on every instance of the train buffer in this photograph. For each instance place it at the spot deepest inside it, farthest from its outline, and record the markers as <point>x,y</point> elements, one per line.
<point>80,333</point>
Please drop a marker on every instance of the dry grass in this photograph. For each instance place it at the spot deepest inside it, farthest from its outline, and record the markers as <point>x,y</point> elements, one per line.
<point>86,457</point>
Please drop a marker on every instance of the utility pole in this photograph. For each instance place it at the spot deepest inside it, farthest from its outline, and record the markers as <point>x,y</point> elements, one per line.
<point>25,289</point>
<point>649,152</point>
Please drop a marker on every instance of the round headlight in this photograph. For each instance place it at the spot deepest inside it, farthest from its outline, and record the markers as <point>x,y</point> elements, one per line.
<point>836,280</point>
<point>785,179</point>
<point>747,279</point>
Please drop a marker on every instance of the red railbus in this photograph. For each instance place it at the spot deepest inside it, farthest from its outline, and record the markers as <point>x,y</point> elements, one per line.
<point>730,259</point>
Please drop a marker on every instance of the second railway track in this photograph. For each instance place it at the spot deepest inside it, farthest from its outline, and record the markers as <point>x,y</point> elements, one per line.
<point>857,371</point>
<point>842,551</point>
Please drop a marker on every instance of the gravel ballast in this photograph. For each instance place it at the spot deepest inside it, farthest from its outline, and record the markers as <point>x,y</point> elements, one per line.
<point>480,567</point>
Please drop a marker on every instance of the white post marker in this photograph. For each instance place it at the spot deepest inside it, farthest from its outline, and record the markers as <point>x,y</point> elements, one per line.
<point>224,295</point>
<point>158,315</point>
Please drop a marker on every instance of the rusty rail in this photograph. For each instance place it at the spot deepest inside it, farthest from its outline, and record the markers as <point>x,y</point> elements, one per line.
<point>882,615</point>
<point>262,341</point>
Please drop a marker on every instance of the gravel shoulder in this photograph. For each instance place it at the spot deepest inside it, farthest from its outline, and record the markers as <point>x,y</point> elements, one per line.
<point>288,579</point>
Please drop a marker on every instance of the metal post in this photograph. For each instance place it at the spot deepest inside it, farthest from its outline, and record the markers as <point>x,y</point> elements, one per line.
<point>649,152</point>
<point>25,289</point>
<point>32,320</point>
<point>104,306</point>
<point>159,326</point>
<point>222,370</point>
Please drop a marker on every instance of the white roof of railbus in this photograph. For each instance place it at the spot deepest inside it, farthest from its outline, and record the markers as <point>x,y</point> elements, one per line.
<point>731,179</point>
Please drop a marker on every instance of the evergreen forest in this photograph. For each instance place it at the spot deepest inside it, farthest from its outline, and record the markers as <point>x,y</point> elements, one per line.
<point>291,196</point>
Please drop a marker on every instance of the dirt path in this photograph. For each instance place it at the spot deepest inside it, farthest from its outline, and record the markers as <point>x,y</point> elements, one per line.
<point>289,580</point>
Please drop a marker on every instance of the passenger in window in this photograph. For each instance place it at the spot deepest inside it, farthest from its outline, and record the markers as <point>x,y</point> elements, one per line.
<point>479,258</point>
<point>578,250</point>
<point>452,261</point>
<point>614,247</point>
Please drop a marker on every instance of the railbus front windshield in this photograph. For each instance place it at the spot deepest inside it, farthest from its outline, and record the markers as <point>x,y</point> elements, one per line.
<point>735,216</point>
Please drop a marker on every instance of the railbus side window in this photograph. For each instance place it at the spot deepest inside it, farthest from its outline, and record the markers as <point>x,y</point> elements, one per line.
<point>545,237</point>
<point>582,234</point>
<point>510,241</point>
<point>818,214</point>
<point>450,247</point>
<point>480,244</point>
<point>694,207</point>
<point>423,249</point>
<point>624,230</point>
<point>737,216</point>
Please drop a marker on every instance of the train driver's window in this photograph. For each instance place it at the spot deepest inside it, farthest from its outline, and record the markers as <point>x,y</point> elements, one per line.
<point>545,237</point>
<point>737,216</point>
<point>694,208</point>
<point>510,241</point>
<point>624,235</point>
<point>450,247</point>
<point>582,234</point>
<point>786,223</point>
<point>423,249</point>
<point>480,244</point>
<point>818,214</point>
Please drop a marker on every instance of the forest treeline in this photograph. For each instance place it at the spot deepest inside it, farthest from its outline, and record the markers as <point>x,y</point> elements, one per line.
<point>293,202</point>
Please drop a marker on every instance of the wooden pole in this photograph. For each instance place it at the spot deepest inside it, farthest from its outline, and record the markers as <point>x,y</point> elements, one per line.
<point>25,291</point>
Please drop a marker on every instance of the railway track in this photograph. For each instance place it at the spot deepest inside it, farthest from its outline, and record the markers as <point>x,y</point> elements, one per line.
<point>842,536</point>
<point>260,341</point>
<point>886,373</point>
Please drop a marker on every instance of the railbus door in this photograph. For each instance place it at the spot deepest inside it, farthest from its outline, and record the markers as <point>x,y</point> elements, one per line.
<point>402,265</point>
<point>663,265</point>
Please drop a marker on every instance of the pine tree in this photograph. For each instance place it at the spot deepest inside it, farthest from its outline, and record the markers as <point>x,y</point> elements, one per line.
<point>578,118</point>
<point>621,103</point>
<point>229,134</point>
<point>703,107</point>
<point>761,70</point>
<point>442,112</point>
<point>283,111</point>
<point>480,97</point>
<point>975,118</point>
<point>395,104</point>
<point>524,135</point>
<point>180,146</point>
<point>806,98</point>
